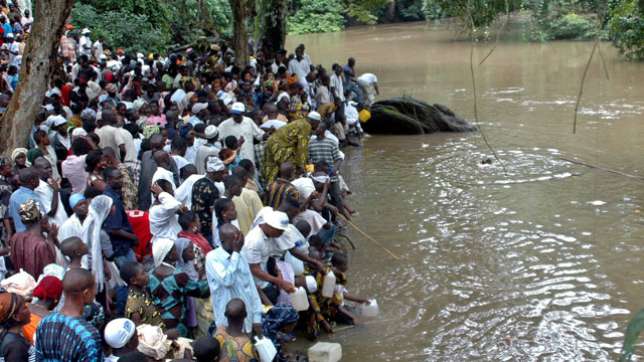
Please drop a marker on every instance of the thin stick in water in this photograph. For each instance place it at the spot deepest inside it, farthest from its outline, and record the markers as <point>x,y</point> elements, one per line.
<point>581,86</point>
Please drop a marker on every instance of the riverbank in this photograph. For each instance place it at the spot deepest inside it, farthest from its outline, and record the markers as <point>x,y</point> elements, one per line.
<point>543,269</point>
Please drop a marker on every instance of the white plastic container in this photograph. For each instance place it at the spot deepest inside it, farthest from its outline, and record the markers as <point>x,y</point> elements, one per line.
<point>328,286</point>
<point>265,349</point>
<point>311,284</point>
<point>297,264</point>
<point>370,310</point>
<point>299,300</point>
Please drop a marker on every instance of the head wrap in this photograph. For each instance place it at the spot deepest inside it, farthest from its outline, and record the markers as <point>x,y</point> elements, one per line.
<point>21,283</point>
<point>99,209</point>
<point>74,199</point>
<point>152,341</point>
<point>160,249</point>
<point>119,332</point>
<point>29,212</point>
<point>53,270</point>
<point>8,306</point>
<point>186,266</point>
<point>320,178</point>
<point>17,152</point>
<point>49,288</point>
<point>214,164</point>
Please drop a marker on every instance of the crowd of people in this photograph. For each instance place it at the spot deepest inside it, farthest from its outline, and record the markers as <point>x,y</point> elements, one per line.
<point>172,207</point>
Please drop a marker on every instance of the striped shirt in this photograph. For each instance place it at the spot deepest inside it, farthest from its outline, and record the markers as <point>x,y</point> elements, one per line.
<point>324,150</point>
<point>67,339</point>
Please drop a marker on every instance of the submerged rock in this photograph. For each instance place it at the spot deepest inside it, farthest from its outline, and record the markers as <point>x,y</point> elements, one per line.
<point>406,115</point>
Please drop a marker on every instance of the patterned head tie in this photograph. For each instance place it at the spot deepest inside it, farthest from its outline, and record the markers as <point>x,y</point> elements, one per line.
<point>29,212</point>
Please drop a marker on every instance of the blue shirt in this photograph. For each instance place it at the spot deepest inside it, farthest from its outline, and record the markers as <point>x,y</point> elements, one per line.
<point>229,277</point>
<point>19,197</point>
<point>117,221</point>
<point>7,29</point>
<point>67,339</point>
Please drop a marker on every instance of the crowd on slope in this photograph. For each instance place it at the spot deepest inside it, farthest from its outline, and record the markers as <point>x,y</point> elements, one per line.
<point>173,207</point>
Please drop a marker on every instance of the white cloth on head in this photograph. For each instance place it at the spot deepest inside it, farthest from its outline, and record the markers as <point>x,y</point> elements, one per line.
<point>160,249</point>
<point>273,123</point>
<point>186,266</point>
<point>152,341</point>
<point>214,164</point>
<point>99,209</point>
<point>163,174</point>
<point>21,283</point>
<point>304,186</point>
<point>315,220</point>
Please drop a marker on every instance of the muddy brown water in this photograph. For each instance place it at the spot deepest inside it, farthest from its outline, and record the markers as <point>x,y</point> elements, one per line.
<point>540,261</point>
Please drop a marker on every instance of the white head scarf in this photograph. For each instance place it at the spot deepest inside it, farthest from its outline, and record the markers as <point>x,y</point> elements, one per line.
<point>152,341</point>
<point>99,209</point>
<point>214,164</point>
<point>160,249</point>
<point>186,266</point>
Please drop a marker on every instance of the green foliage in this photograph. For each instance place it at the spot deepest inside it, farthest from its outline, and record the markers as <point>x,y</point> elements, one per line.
<point>120,28</point>
<point>573,26</point>
<point>432,10</point>
<point>626,28</point>
<point>317,16</point>
<point>364,11</point>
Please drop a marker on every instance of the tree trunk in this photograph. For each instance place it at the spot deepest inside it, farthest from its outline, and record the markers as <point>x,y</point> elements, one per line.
<point>273,24</point>
<point>38,61</point>
<point>240,33</point>
<point>391,11</point>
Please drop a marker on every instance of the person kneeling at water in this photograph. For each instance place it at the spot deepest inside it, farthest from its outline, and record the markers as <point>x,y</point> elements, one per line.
<point>235,344</point>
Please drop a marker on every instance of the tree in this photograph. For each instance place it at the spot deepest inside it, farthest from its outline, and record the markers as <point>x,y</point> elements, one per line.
<point>272,23</point>
<point>241,12</point>
<point>35,73</point>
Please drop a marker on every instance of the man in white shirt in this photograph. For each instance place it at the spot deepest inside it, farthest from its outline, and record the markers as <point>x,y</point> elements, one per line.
<point>229,277</point>
<point>300,66</point>
<point>48,191</point>
<point>337,85</point>
<point>210,148</point>
<point>183,194</point>
<point>263,242</point>
<point>97,48</point>
<point>85,43</point>
<point>242,128</point>
<point>164,222</point>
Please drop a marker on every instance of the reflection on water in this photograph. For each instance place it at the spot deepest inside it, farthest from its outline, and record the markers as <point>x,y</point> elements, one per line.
<point>529,258</point>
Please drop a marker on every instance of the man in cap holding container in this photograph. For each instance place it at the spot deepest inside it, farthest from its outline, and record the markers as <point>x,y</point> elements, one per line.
<point>210,148</point>
<point>242,128</point>
<point>262,242</point>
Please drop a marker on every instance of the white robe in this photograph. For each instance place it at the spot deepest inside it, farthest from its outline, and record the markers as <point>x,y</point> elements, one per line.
<point>71,227</point>
<point>183,193</point>
<point>46,194</point>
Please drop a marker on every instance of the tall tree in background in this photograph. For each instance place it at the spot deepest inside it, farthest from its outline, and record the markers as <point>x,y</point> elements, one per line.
<point>272,23</point>
<point>241,12</point>
<point>38,60</point>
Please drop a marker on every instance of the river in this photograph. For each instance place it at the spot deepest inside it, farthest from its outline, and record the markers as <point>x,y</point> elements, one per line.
<point>530,258</point>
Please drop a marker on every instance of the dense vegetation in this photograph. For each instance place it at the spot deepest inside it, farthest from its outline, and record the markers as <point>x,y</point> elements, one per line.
<point>157,24</point>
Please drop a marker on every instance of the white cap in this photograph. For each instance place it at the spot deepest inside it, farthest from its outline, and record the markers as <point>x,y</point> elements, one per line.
<point>214,164</point>
<point>9,36</point>
<point>198,107</point>
<point>238,108</point>
<point>56,120</point>
<point>277,220</point>
<point>118,332</point>
<point>79,132</point>
<point>211,132</point>
<point>315,116</point>
<point>85,31</point>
